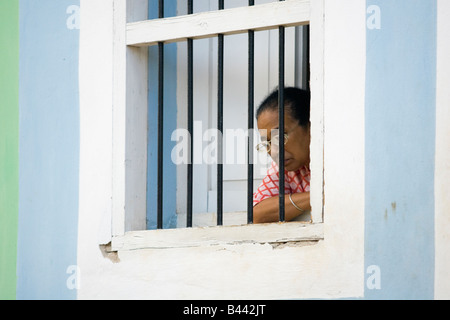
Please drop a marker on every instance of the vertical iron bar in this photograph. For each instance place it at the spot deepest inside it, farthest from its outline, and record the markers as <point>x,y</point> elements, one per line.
<point>281,119</point>
<point>160,124</point>
<point>190,175</point>
<point>161,9</point>
<point>251,105</point>
<point>220,126</point>
<point>306,55</point>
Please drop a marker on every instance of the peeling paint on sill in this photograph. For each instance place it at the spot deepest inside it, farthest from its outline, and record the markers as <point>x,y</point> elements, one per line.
<point>293,244</point>
<point>108,253</point>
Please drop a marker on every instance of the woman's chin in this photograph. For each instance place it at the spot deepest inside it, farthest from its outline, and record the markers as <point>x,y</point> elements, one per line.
<point>291,165</point>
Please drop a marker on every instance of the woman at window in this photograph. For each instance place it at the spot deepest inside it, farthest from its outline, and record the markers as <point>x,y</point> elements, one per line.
<point>297,139</point>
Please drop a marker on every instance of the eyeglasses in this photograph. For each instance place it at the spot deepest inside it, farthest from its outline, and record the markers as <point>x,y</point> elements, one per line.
<point>266,146</point>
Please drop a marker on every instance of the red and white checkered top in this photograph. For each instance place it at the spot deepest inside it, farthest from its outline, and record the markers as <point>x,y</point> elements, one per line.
<point>295,182</point>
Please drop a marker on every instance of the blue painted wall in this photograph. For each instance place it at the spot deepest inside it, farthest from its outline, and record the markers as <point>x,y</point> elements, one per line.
<point>400,136</point>
<point>49,150</point>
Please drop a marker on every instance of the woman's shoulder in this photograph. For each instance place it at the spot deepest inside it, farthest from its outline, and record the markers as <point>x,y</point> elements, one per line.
<point>273,169</point>
<point>303,171</point>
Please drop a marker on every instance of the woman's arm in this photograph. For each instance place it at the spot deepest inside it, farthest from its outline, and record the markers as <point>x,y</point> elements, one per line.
<point>267,210</point>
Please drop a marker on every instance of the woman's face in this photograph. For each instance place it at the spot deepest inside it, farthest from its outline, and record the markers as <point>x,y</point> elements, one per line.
<point>296,150</point>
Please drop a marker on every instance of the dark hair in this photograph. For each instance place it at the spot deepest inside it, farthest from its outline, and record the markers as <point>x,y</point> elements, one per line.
<point>296,101</point>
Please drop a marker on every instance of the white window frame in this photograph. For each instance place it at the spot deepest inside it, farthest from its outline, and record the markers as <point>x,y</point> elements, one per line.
<point>131,37</point>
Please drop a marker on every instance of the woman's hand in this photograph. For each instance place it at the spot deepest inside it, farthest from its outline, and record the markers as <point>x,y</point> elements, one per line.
<point>268,210</point>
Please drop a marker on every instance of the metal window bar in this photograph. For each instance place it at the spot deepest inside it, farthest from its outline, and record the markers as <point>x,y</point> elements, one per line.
<point>160,123</point>
<point>251,105</point>
<point>220,125</point>
<point>306,49</point>
<point>190,175</point>
<point>281,79</point>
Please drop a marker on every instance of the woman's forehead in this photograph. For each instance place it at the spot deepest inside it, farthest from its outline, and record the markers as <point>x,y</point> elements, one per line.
<point>269,120</point>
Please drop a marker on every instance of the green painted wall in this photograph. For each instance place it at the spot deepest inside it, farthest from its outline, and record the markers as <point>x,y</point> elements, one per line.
<point>9,145</point>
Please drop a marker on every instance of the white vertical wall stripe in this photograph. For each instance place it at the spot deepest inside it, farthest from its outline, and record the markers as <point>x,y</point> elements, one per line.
<point>442,162</point>
<point>344,142</point>
<point>95,187</point>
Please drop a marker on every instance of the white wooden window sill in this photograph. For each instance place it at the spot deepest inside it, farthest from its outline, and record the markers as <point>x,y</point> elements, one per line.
<point>273,233</point>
